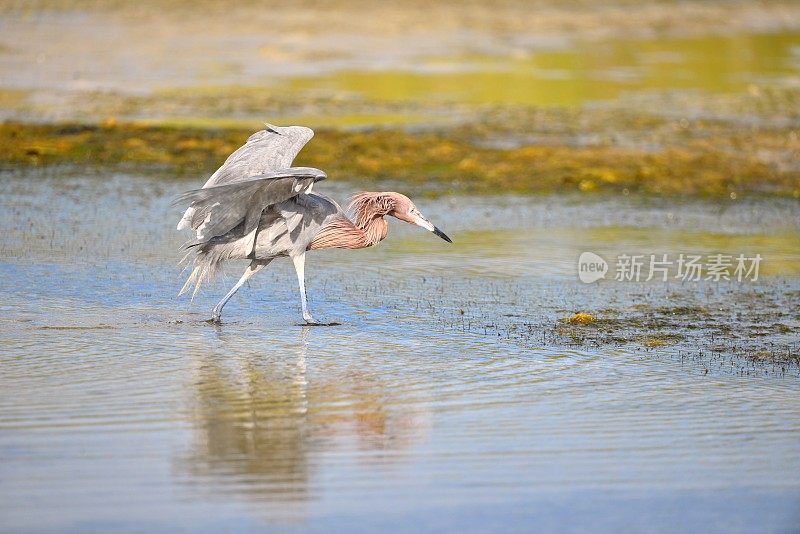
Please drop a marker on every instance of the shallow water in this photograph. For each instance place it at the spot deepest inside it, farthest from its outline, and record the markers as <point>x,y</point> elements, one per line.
<point>69,53</point>
<point>429,406</point>
<point>581,73</point>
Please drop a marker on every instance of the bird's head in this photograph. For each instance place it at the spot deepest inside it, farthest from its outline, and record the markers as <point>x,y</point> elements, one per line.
<point>367,206</point>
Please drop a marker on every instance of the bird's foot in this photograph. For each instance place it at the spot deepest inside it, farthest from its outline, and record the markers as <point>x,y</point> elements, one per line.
<point>216,318</point>
<point>310,321</point>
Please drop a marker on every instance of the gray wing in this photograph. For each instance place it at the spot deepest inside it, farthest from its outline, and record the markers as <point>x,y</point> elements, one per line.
<point>219,209</point>
<point>271,149</point>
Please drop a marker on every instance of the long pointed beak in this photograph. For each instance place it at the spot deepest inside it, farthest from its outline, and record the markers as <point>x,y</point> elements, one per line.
<point>441,234</point>
<point>425,223</point>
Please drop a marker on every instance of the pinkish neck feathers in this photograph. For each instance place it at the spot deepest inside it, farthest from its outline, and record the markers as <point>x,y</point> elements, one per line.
<point>368,227</point>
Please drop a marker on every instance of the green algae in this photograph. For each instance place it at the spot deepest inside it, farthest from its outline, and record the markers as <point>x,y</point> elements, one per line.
<point>676,327</point>
<point>442,162</point>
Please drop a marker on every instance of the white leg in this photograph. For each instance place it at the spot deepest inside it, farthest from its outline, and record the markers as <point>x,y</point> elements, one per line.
<point>252,269</point>
<point>300,266</point>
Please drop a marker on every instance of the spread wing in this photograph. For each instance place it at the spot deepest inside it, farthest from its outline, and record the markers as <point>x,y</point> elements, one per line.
<point>271,149</point>
<point>219,209</point>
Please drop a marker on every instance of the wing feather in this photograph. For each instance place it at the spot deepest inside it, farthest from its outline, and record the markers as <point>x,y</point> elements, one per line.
<point>219,209</point>
<point>270,149</point>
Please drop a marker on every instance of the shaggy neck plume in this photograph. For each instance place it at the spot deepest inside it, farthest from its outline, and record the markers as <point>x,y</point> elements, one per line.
<point>374,230</point>
<point>369,227</point>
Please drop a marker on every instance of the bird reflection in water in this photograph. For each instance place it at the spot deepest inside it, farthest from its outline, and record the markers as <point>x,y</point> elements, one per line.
<point>261,424</point>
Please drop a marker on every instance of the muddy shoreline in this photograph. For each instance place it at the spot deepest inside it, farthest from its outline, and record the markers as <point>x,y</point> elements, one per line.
<point>447,161</point>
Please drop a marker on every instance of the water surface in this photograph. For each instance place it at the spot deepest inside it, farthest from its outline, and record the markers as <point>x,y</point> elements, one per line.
<point>582,73</point>
<point>430,406</point>
<point>67,65</point>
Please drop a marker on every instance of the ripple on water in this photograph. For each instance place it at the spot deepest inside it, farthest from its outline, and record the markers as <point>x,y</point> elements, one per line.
<point>116,398</point>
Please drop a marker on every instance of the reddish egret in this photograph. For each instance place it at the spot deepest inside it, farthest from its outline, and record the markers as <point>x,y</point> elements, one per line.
<point>258,207</point>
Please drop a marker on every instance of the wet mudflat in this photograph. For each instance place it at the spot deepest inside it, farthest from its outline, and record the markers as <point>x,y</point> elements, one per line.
<point>454,392</point>
<point>657,114</point>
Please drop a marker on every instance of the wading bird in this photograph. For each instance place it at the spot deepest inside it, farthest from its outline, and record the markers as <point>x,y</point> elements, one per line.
<point>258,207</point>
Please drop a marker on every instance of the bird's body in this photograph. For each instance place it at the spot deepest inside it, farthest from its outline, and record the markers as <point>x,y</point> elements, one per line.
<point>309,221</point>
<point>256,207</point>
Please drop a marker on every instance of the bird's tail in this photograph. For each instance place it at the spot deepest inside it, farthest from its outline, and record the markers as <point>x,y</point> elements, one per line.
<point>205,261</point>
